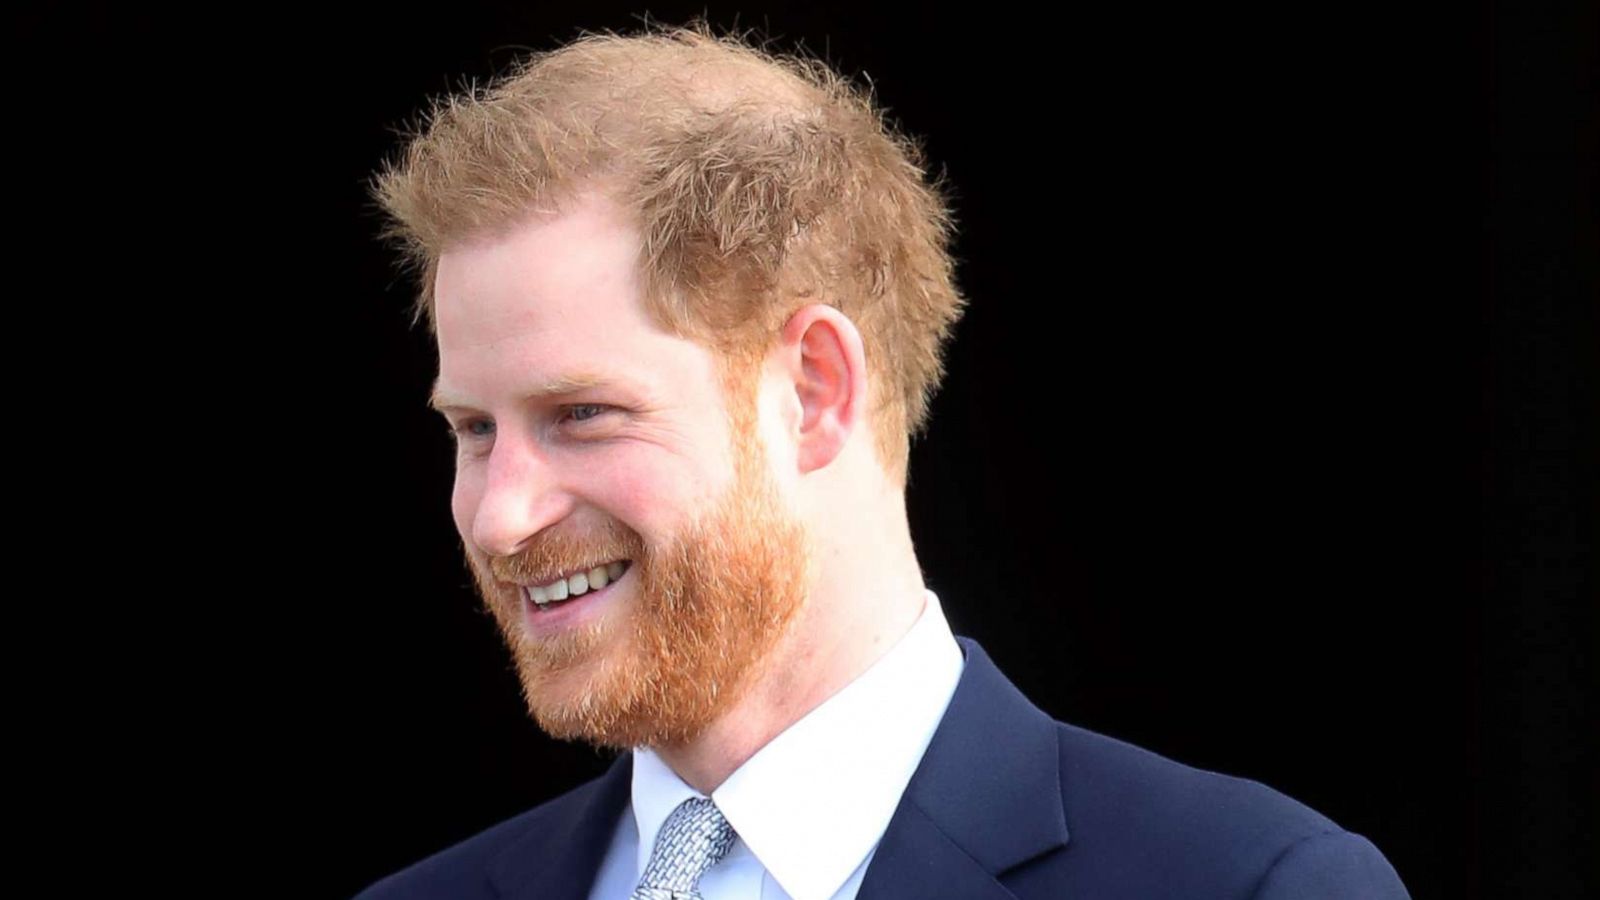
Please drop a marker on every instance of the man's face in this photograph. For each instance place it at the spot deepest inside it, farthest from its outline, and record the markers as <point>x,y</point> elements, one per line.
<point>596,453</point>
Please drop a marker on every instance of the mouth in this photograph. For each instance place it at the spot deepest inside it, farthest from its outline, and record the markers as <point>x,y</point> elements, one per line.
<point>584,582</point>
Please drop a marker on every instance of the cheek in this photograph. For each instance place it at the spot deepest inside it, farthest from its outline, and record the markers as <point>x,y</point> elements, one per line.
<point>650,497</point>
<point>463,506</point>
<point>630,493</point>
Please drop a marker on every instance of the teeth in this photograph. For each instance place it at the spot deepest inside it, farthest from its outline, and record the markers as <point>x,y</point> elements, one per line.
<point>577,585</point>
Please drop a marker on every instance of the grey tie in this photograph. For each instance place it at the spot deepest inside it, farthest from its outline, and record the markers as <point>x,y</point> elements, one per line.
<point>691,841</point>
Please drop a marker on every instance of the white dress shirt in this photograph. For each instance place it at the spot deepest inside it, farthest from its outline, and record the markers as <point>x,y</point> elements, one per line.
<point>810,806</point>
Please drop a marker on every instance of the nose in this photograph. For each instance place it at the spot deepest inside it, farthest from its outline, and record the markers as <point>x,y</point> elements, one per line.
<point>522,495</point>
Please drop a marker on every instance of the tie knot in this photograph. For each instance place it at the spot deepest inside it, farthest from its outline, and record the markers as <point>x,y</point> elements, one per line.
<point>693,839</point>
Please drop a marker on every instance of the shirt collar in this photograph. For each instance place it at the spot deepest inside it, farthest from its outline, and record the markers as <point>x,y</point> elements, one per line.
<point>814,801</point>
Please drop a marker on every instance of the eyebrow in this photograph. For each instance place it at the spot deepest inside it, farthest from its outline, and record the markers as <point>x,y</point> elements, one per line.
<point>441,398</point>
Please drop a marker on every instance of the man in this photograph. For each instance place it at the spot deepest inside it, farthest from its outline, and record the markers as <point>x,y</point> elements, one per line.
<point>690,302</point>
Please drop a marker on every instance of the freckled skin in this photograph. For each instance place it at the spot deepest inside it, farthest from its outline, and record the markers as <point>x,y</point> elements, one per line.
<point>556,299</point>
<point>659,470</point>
<point>757,599</point>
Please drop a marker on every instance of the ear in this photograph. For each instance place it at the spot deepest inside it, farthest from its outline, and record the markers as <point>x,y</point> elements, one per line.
<point>822,359</point>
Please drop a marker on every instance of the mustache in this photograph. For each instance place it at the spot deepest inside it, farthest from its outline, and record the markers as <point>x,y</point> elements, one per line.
<point>552,554</point>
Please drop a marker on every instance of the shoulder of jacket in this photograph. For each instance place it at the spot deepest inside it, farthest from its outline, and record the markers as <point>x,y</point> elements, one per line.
<point>458,869</point>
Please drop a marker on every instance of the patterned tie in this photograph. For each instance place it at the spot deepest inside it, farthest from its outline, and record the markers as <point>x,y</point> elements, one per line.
<point>693,839</point>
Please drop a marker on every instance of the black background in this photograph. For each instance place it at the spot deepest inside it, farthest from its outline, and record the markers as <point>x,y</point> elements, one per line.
<point>1267,443</point>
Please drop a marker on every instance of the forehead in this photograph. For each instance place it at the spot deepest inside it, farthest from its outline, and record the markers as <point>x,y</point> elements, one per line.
<point>557,298</point>
<point>546,269</point>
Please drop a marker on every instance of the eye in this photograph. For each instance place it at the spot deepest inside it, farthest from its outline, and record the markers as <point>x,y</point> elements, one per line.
<point>583,412</point>
<point>472,429</point>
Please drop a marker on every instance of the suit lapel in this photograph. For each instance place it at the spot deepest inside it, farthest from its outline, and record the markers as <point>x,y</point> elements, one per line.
<point>985,798</point>
<point>560,855</point>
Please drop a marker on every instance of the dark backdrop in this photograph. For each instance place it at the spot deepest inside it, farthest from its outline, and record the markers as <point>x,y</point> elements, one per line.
<point>1266,442</point>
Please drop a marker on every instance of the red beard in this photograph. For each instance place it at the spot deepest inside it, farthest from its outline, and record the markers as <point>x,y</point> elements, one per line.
<point>706,608</point>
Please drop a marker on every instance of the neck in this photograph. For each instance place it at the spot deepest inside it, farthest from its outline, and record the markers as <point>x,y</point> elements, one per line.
<point>855,613</point>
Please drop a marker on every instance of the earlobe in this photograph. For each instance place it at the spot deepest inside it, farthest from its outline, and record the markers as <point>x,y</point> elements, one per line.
<point>826,362</point>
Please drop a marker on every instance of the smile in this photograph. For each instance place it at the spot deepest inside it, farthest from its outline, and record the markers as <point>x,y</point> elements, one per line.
<point>575,585</point>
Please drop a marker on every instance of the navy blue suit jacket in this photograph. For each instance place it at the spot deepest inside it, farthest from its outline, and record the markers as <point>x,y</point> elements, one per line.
<point>1006,804</point>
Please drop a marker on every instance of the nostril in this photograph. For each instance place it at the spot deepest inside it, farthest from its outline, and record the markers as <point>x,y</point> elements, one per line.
<point>504,525</point>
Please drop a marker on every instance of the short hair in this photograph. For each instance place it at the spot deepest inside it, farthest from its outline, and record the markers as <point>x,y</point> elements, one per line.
<point>759,183</point>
